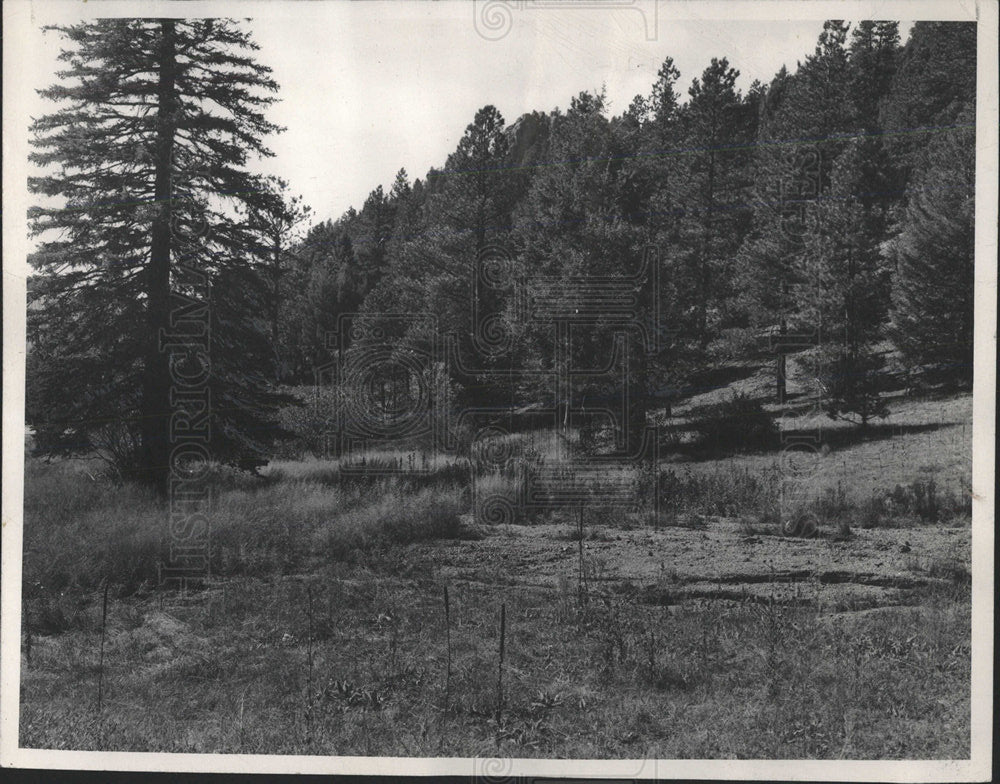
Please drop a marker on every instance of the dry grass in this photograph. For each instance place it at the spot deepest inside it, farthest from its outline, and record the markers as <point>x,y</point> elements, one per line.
<point>322,630</point>
<point>228,672</point>
<point>79,532</point>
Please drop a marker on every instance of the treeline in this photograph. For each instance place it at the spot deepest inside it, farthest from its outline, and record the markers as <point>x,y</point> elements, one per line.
<point>175,292</point>
<point>831,207</point>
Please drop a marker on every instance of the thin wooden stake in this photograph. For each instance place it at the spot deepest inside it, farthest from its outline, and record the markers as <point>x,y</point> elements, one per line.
<point>503,634</point>
<point>309,654</point>
<point>447,634</point>
<point>100,664</point>
<point>581,577</point>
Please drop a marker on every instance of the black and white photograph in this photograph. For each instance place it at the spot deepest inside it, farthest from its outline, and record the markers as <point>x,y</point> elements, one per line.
<point>500,388</point>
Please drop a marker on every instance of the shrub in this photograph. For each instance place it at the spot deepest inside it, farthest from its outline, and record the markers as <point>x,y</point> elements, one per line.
<point>852,383</point>
<point>740,424</point>
<point>923,500</point>
<point>309,420</point>
<point>919,501</point>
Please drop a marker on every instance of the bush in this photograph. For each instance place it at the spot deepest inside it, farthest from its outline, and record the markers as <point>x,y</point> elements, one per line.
<point>852,383</point>
<point>919,501</point>
<point>311,421</point>
<point>923,500</point>
<point>740,424</point>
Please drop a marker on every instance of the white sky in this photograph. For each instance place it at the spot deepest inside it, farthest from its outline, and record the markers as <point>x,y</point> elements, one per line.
<point>365,95</point>
<point>367,88</point>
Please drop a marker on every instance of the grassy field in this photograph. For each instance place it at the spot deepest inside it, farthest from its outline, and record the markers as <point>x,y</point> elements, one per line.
<point>700,633</point>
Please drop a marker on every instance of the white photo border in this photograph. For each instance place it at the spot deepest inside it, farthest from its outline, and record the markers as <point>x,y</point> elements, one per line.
<point>22,15</point>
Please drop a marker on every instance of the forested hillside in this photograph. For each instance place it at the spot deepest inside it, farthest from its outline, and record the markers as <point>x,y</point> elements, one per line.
<point>834,204</point>
<point>830,210</point>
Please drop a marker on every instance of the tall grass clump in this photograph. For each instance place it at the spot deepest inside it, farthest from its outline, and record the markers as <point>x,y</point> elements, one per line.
<point>272,529</point>
<point>412,469</point>
<point>724,491</point>
<point>394,517</point>
<point>79,531</point>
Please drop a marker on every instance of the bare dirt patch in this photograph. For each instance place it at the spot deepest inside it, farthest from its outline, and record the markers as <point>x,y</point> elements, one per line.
<point>878,567</point>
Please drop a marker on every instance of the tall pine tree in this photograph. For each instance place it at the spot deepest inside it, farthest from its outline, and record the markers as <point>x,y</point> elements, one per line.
<point>934,252</point>
<point>279,220</point>
<point>143,232</point>
<point>845,292</point>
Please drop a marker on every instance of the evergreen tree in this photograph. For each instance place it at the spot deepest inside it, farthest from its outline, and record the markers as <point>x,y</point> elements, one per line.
<point>765,262</point>
<point>328,282</point>
<point>717,134</point>
<point>934,80</point>
<point>373,231</point>
<point>873,54</point>
<point>146,160</point>
<point>580,220</point>
<point>664,102</point>
<point>467,208</point>
<point>475,192</point>
<point>934,251</point>
<point>844,293</point>
<point>803,119</point>
<point>279,220</point>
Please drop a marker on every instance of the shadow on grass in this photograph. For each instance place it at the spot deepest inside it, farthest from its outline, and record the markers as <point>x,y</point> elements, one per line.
<point>835,438</point>
<point>851,436</point>
<point>718,377</point>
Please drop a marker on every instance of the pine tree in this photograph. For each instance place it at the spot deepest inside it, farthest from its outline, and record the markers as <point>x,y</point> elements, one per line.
<point>784,182</point>
<point>467,208</point>
<point>933,291</point>
<point>143,229</point>
<point>373,230</point>
<point>873,54</point>
<point>844,293</point>
<point>714,178</point>
<point>328,282</point>
<point>279,220</point>
<point>474,183</point>
<point>934,79</point>
<point>804,118</point>
<point>583,218</point>
<point>664,102</point>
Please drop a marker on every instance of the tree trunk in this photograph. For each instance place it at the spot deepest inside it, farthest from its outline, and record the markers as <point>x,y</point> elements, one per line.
<point>781,364</point>
<point>706,240</point>
<point>276,304</point>
<point>638,395</point>
<point>154,466</point>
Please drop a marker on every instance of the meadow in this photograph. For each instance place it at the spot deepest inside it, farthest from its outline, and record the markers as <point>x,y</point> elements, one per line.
<point>360,615</point>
